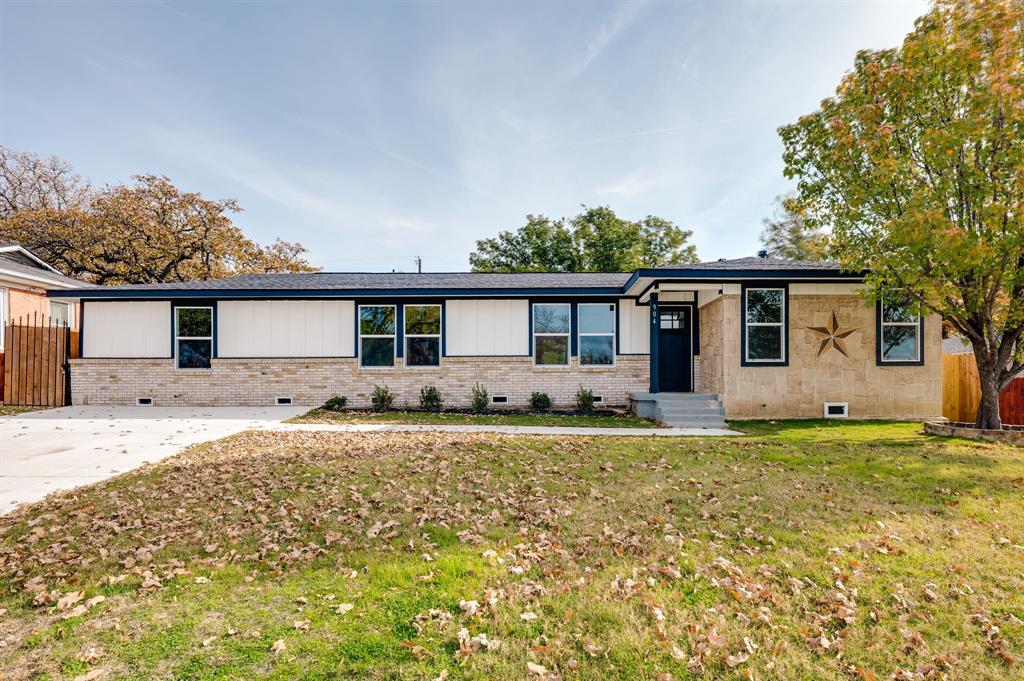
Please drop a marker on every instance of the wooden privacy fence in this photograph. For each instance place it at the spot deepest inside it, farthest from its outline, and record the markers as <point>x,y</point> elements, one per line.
<point>961,392</point>
<point>35,362</point>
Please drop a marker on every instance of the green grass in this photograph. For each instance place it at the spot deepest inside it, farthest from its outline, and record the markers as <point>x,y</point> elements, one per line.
<point>596,420</point>
<point>639,556</point>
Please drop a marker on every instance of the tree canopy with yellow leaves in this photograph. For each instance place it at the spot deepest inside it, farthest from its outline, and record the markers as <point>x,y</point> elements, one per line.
<point>917,164</point>
<point>149,231</point>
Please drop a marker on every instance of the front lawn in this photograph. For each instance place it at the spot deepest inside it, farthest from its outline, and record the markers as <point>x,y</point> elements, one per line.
<point>598,419</point>
<point>805,551</point>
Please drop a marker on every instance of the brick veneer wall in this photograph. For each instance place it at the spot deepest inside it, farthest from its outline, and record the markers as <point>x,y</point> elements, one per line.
<point>255,382</point>
<point>30,307</point>
<point>802,388</point>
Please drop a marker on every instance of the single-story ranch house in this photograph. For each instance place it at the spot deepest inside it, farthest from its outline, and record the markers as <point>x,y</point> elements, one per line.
<point>770,338</point>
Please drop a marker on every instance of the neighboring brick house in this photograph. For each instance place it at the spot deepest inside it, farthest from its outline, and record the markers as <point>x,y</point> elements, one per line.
<point>770,338</point>
<point>24,281</point>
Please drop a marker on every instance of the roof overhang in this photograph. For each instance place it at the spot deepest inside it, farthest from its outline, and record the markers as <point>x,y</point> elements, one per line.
<point>645,281</point>
<point>101,293</point>
<point>21,249</point>
<point>40,280</point>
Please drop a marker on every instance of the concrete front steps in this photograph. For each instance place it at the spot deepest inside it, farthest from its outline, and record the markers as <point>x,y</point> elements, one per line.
<point>680,410</point>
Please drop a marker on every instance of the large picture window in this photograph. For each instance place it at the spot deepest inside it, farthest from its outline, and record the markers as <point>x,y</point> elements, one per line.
<point>764,315</point>
<point>377,335</point>
<point>551,322</point>
<point>422,335</point>
<point>193,337</point>
<point>899,330</point>
<point>597,334</point>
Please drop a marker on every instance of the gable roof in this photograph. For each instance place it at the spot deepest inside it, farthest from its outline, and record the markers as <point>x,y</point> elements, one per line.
<point>19,263</point>
<point>456,283</point>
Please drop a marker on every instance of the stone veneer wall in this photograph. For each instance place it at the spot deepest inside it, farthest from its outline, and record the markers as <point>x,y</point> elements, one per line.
<point>711,347</point>
<point>802,388</point>
<point>258,382</point>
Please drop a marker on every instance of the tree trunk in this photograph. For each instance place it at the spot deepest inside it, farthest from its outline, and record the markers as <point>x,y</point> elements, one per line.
<point>988,409</point>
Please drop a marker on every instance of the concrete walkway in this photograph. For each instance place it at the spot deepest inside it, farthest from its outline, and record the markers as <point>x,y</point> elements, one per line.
<point>507,430</point>
<point>45,451</point>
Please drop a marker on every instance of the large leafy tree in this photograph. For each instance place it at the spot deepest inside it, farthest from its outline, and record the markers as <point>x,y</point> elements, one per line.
<point>917,163</point>
<point>595,240</point>
<point>789,234</point>
<point>147,232</point>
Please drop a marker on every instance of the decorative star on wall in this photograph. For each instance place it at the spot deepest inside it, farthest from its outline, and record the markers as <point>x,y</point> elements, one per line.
<point>832,336</point>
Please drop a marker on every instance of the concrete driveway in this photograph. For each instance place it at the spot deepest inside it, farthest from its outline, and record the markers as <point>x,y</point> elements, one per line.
<point>46,451</point>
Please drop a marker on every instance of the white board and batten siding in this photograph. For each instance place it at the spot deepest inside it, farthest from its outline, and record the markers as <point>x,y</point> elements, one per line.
<point>481,328</point>
<point>634,328</point>
<point>285,328</point>
<point>126,329</point>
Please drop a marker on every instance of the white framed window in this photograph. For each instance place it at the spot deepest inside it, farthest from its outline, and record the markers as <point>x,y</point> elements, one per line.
<point>422,335</point>
<point>193,337</point>
<point>596,333</point>
<point>60,313</point>
<point>377,335</point>
<point>764,332</point>
<point>899,331</point>
<point>551,328</point>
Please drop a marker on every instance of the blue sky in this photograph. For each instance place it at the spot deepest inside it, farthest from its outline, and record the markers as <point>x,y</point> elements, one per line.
<point>373,133</point>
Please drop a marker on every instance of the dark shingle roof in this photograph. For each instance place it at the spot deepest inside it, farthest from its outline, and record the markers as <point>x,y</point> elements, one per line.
<point>354,281</point>
<point>761,264</point>
<point>468,282</point>
<point>956,345</point>
<point>36,271</point>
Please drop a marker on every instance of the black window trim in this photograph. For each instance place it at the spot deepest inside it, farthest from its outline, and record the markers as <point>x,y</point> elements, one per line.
<point>360,336</point>
<point>569,344</point>
<point>614,336</point>
<point>784,287</point>
<point>879,359</point>
<point>406,336</point>
<point>176,339</point>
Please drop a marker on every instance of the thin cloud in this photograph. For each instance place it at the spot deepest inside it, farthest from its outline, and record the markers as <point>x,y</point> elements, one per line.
<point>358,141</point>
<point>624,15</point>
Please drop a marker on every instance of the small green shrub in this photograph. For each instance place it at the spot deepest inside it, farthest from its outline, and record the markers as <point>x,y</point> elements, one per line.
<point>540,401</point>
<point>584,400</point>
<point>382,398</point>
<point>336,403</point>
<point>481,400</point>
<point>430,398</point>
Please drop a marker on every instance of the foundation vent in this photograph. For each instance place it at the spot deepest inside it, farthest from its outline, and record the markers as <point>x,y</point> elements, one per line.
<point>837,410</point>
<point>144,401</point>
<point>499,399</point>
<point>283,401</point>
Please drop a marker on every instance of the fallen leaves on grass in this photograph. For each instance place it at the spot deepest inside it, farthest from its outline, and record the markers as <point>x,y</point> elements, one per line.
<point>695,543</point>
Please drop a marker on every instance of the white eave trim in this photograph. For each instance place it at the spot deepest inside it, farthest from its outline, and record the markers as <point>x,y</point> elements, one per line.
<point>22,249</point>
<point>681,284</point>
<point>32,280</point>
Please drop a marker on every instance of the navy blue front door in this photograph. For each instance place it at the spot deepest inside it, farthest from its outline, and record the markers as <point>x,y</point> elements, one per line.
<point>675,349</point>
